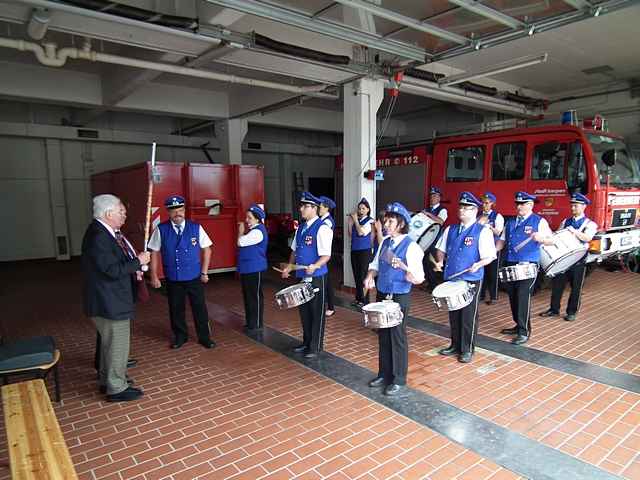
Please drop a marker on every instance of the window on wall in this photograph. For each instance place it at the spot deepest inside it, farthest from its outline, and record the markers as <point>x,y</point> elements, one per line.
<point>465,164</point>
<point>549,161</point>
<point>508,161</point>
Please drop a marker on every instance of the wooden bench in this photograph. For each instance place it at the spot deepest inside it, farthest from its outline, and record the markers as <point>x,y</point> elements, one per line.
<point>37,450</point>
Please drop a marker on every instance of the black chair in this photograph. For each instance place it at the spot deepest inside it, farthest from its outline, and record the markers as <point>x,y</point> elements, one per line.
<point>35,356</point>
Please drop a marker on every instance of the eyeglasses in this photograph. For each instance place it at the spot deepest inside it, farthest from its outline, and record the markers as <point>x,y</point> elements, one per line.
<point>465,207</point>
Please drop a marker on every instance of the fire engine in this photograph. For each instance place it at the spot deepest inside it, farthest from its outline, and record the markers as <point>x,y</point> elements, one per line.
<point>550,161</point>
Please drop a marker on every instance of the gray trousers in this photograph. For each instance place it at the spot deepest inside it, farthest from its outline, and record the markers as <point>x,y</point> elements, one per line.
<point>114,353</point>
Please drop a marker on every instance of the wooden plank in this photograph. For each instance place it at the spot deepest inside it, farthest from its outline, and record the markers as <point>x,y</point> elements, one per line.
<point>37,450</point>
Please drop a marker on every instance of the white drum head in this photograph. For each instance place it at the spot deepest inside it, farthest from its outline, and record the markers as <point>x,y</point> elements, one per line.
<point>418,224</point>
<point>374,307</point>
<point>448,289</point>
<point>429,236</point>
<point>564,263</point>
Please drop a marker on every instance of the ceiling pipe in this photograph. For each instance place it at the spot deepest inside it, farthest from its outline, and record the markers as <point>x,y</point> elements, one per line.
<point>38,23</point>
<point>49,55</point>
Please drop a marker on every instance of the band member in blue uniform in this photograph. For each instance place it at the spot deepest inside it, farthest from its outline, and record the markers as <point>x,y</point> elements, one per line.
<point>467,246</point>
<point>397,266</point>
<point>534,229</point>
<point>360,224</point>
<point>252,262</point>
<point>324,212</point>
<point>494,222</point>
<point>584,229</point>
<point>311,246</point>
<point>180,243</point>
<point>438,214</point>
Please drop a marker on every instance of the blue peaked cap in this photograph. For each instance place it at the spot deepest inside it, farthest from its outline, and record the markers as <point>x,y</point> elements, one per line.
<point>523,197</point>
<point>435,190</point>
<point>327,202</point>
<point>580,198</point>
<point>308,197</point>
<point>174,201</point>
<point>468,198</point>
<point>399,209</point>
<point>257,211</point>
<point>489,196</point>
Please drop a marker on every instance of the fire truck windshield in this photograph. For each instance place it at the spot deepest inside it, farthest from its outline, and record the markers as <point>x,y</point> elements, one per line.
<point>625,172</point>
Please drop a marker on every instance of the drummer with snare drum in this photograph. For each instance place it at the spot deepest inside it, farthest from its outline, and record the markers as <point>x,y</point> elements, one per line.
<point>468,247</point>
<point>521,239</point>
<point>311,246</point>
<point>397,265</point>
<point>584,229</point>
<point>438,214</point>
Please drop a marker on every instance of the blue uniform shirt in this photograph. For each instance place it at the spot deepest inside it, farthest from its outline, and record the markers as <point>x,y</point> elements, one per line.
<point>253,258</point>
<point>361,242</point>
<point>392,280</point>
<point>514,236</point>
<point>463,250</point>
<point>307,248</point>
<point>180,254</point>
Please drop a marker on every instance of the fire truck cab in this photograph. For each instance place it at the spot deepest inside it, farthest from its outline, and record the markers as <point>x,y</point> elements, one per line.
<point>550,161</point>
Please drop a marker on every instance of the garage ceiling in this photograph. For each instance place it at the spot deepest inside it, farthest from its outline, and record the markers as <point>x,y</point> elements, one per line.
<point>377,37</point>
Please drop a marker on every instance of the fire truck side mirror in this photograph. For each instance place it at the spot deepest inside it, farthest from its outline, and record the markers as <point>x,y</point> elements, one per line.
<point>609,157</point>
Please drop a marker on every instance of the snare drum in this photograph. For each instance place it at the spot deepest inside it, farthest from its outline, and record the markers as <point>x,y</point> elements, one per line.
<point>521,271</point>
<point>385,314</point>
<point>294,295</point>
<point>423,230</point>
<point>453,295</point>
<point>565,252</point>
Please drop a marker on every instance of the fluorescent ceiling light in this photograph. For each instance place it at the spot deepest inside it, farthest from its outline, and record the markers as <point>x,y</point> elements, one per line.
<point>494,70</point>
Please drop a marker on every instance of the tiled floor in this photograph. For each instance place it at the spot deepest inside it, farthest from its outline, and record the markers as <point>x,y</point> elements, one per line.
<point>245,411</point>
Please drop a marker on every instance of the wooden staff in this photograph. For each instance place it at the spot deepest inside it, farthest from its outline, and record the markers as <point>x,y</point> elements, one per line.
<point>147,225</point>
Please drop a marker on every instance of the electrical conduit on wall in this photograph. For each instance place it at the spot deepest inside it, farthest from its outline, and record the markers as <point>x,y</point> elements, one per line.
<point>48,54</point>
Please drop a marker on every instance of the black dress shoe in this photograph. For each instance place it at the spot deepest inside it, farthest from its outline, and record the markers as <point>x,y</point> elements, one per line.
<point>132,362</point>
<point>300,348</point>
<point>509,331</point>
<point>450,350</point>
<point>376,382</point>
<point>127,395</point>
<point>393,389</point>
<point>549,313</point>
<point>465,357</point>
<point>520,339</point>
<point>176,345</point>
<point>310,354</point>
<point>208,343</point>
<point>570,317</point>
<point>490,302</point>
<point>103,388</point>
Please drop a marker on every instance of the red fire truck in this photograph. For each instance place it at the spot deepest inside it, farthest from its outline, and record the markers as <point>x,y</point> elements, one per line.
<point>549,161</point>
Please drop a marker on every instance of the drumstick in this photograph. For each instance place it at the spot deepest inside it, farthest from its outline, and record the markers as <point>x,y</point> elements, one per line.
<point>522,244</point>
<point>293,267</point>
<point>459,273</point>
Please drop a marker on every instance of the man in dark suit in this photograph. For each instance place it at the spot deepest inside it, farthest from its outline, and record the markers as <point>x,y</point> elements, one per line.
<point>110,269</point>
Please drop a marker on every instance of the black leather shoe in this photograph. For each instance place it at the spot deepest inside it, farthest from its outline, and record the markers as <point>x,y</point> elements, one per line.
<point>520,339</point>
<point>208,343</point>
<point>490,302</point>
<point>300,349</point>
<point>509,331</point>
<point>450,350</point>
<point>103,388</point>
<point>570,317</point>
<point>549,313</point>
<point>393,389</point>
<point>127,395</point>
<point>465,357</point>
<point>132,362</point>
<point>176,345</point>
<point>376,382</point>
<point>310,354</point>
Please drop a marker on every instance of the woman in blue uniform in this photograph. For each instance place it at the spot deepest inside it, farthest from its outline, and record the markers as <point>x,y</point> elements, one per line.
<point>252,262</point>
<point>396,252</point>
<point>360,225</point>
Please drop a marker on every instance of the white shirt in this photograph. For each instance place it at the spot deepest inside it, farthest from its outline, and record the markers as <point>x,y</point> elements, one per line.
<point>155,242</point>
<point>326,221</point>
<point>113,234</point>
<point>366,228</point>
<point>543,227</point>
<point>414,258</point>
<point>325,238</point>
<point>589,227</point>
<point>443,213</point>
<point>253,237</point>
<point>486,244</point>
<point>499,222</point>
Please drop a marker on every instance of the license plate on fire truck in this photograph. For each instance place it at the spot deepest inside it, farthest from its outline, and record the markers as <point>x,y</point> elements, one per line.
<point>626,240</point>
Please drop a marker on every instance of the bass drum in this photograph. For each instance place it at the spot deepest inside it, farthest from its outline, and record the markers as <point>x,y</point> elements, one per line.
<point>423,230</point>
